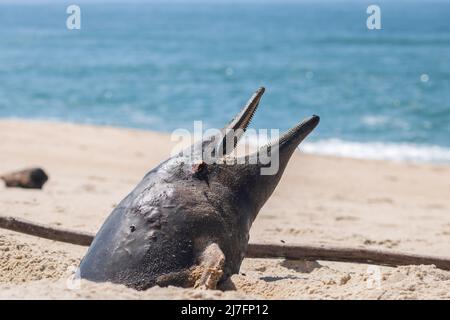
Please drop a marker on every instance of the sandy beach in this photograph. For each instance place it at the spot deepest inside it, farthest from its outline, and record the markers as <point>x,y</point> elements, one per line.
<point>320,200</point>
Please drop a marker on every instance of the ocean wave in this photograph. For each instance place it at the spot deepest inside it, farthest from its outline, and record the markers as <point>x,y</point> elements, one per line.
<point>379,150</point>
<point>363,150</point>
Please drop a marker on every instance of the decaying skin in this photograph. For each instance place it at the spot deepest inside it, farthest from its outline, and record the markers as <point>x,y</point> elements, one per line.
<point>187,222</point>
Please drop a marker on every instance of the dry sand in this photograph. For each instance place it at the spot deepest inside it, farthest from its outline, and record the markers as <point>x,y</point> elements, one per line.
<point>320,200</point>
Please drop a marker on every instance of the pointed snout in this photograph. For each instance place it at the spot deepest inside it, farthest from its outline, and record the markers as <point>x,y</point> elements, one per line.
<point>243,118</point>
<point>236,128</point>
<point>289,142</point>
<point>298,133</point>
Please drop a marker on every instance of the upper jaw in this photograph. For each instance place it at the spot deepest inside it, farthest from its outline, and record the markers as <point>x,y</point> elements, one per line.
<point>243,118</point>
<point>236,128</point>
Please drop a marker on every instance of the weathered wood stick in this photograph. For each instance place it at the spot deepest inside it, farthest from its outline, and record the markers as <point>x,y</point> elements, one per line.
<point>39,230</point>
<point>255,250</point>
<point>343,254</point>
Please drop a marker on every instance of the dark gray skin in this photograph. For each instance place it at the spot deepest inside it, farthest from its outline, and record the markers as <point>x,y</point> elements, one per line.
<point>187,223</point>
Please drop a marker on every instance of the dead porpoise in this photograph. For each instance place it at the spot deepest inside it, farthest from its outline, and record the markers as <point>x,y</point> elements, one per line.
<point>187,223</point>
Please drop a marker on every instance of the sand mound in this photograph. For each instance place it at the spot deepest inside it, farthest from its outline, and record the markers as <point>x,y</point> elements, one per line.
<point>46,289</point>
<point>29,271</point>
<point>287,279</point>
<point>22,262</point>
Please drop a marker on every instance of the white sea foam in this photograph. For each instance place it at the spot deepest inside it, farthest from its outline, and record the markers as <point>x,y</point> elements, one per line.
<point>375,121</point>
<point>369,150</point>
<point>379,150</point>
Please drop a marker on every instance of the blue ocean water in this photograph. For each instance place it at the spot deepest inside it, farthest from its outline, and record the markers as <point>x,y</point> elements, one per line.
<point>380,93</point>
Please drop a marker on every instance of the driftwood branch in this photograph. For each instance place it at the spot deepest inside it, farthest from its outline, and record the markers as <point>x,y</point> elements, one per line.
<point>39,230</point>
<point>255,250</point>
<point>342,254</point>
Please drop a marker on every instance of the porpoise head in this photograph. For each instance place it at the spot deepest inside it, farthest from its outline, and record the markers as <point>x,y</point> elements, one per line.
<point>252,177</point>
<point>187,222</point>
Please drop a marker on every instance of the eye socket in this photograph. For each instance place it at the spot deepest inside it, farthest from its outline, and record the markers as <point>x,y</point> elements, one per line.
<point>132,228</point>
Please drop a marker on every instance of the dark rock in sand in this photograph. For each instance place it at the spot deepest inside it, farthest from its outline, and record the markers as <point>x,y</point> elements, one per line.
<point>33,178</point>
